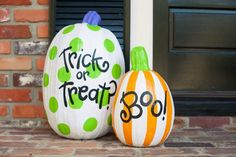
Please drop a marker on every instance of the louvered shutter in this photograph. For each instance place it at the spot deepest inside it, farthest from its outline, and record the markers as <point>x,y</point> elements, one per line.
<point>68,12</point>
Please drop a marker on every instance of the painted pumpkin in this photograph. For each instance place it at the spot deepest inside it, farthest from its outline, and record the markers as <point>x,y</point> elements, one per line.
<point>143,109</point>
<point>83,66</point>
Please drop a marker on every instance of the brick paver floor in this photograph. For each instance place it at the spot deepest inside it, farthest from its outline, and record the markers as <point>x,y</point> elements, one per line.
<point>185,142</point>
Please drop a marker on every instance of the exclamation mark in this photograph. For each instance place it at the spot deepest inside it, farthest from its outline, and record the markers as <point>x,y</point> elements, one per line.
<point>164,113</point>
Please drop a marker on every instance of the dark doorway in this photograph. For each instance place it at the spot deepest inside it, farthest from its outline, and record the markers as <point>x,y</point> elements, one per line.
<point>195,50</point>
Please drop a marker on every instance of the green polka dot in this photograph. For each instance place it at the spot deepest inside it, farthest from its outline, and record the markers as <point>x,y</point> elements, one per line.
<point>53,53</point>
<point>53,104</point>
<point>76,44</point>
<point>90,124</point>
<point>63,128</point>
<point>116,71</point>
<point>93,73</point>
<point>68,29</point>
<point>105,97</point>
<point>77,102</point>
<point>45,79</point>
<point>109,120</point>
<point>63,75</point>
<point>93,27</point>
<point>109,45</point>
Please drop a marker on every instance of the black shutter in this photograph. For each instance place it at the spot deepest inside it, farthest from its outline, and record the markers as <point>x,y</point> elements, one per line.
<point>66,12</point>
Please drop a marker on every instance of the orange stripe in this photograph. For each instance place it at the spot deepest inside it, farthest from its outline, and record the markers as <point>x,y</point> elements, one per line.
<point>169,111</point>
<point>151,120</point>
<point>127,127</point>
<point>115,100</point>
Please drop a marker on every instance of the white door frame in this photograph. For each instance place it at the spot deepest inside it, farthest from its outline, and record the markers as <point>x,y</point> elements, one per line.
<point>141,26</point>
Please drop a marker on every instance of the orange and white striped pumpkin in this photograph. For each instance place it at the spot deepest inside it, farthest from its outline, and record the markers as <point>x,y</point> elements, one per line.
<point>143,108</point>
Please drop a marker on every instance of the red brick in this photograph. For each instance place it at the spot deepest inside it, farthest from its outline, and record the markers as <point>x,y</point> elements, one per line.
<point>48,137</point>
<point>28,111</point>
<point>223,151</point>
<point>158,151</point>
<point>3,110</point>
<point>16,144</point>
<point>105,152</point>
<point>220,134</point>
<point>11,138</point>
<point>43,2</point>
<point>42,151</point>
<point>227,144</point>
<point>15,32</point>
<point>192,133</point>
<point>16,63</point>
<point>40,63</point>
<point>27,131</point>
<point>31,15</point>
<point>215,139</point>
<point>15,129</point>
<point>15,95</point>
<point>3,80</point>
<point>208,122</point>
<point>42,31</point>
<point>75,144</point>
<point>231,128</point>
<point>234,120</point>
<point>112,144</point>
<point>13,156</point>
<point>203,129</point>
<point>188,144</point>
<point>5,47</point>
<point>4,15</point>
<point>40,95</point>
<point>15,2</point>
<point>180,123</point>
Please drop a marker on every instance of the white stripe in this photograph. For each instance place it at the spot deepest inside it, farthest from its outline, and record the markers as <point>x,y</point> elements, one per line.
<point>173,112</point>
<point>139,125</point>
<point>160,95</point>
<point>141,22</point>
<point>118,123</point>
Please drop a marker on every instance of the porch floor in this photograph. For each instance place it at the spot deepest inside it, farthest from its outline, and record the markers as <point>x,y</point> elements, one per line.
<point>184,142</point>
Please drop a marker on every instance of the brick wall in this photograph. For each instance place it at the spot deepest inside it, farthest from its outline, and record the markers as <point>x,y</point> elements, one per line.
<point>23,45</point>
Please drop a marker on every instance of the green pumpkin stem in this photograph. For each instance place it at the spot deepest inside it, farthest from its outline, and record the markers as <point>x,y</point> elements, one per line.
<point>139,59</point>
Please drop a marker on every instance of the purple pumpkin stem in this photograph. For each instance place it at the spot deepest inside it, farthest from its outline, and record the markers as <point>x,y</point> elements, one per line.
<point>92,18</point>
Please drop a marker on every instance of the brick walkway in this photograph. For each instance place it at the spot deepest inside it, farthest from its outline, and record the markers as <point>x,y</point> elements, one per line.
<point>185,142</point>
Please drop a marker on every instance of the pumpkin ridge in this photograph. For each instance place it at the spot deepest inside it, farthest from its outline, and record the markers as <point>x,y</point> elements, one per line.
<point>169,109</point>
<point>114,103</point>
<point>151,120</point>
<point>127,127</point>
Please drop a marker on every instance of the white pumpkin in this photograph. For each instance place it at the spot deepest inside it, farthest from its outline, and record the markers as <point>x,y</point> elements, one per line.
<point>83,66</point>
<point>143,109</point>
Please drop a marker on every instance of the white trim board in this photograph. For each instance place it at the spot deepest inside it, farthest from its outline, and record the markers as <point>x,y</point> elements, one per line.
<point>141,26</point>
